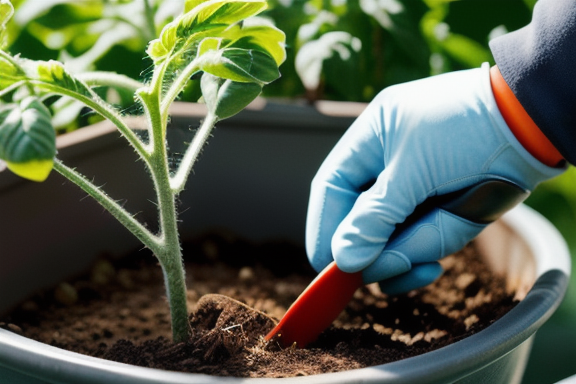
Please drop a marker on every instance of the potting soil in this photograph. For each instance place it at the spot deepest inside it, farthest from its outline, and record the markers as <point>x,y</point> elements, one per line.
<point>119,312</point>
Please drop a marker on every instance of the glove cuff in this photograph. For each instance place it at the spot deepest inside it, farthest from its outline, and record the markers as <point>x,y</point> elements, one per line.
<point>520,123</point>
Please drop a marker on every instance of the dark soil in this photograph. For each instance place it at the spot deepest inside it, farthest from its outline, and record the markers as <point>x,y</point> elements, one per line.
<point>119,312</point>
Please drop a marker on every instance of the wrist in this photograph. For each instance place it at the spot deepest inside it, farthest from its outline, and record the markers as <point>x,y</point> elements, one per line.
<point>521,124</point>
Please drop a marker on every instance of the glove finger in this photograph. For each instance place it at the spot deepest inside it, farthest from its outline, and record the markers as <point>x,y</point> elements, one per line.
<point>362,235</point>
<point>345,172</point>
<point>431,237</point>
<point>327,207</point>
<point>419,276</point>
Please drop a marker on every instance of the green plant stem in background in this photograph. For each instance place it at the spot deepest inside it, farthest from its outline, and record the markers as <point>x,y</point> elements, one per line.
<point>150,24</point>
<point>107,79</point>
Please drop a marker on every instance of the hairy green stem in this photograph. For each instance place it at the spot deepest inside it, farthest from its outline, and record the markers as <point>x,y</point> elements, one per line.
<point>178,181</point>
<point>166,247</point>
<point>100,107</point>
<point>177,56</point>
<point>108,79</point>
<point>177,87</point>
<point>170,256</point>
<point>142,233</point>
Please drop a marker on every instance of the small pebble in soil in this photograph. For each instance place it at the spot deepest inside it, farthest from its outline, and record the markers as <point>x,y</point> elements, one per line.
<point>14,328</point>
<point>66,294</point>
<point>246,274</point>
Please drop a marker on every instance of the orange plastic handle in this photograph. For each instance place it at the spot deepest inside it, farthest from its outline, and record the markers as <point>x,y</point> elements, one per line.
<point>521,124</point>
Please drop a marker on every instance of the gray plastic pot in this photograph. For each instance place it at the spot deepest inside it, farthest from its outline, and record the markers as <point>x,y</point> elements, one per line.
<point>253,179</point>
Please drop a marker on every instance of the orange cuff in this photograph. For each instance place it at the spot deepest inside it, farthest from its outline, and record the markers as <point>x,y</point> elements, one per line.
<point>521,125</point>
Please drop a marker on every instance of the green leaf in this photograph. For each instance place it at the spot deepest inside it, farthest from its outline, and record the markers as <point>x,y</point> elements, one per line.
<point>190,4</point>
<point>465,50</point>
<point>6,13</point>
<point>209,44</point>
<point>9,73</point>
<point>257,34</point>
<point>54,72</point>
<point>27,139</point>
<point>312,56</point>
<point>240,65</point>
<point>30,10</point>
<point>226,98</point>
<point>185,32</point>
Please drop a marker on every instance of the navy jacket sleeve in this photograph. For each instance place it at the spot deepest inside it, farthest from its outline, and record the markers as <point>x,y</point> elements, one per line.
<point>539,64</point>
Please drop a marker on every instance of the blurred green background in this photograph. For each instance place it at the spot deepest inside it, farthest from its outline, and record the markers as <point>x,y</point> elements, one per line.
<point>337,49</point>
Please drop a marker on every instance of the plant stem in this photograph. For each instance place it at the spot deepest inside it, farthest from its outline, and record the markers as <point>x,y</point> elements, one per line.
<point>12,87</point>
<point>100,107</point>
<point>170,255</point>
<point>133,225</point>
<point>166,247</point>
<point>175,282</point>
<point>150,24</point>
<point>110,80</point>
<point>179,179</point>
<point>177,86</point>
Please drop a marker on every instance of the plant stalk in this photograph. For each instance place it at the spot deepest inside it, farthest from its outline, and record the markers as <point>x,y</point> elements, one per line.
<point>150,23</point>
<point>179,179</point>
<point>100,78</point>
<point>102,108</point>
<point>170,255</point>
<point>133,225</point>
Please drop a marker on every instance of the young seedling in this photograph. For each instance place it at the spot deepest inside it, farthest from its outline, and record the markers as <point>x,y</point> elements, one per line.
<point>217,41</point>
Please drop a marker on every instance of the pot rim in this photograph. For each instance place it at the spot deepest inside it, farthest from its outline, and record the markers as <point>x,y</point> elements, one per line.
<point>450,362</point>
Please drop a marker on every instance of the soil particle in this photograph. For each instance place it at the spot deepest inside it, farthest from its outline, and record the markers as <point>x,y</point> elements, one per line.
<point>237,291</point>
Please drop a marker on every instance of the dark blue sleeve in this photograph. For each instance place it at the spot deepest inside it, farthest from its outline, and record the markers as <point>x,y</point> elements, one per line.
<point>539,64</point>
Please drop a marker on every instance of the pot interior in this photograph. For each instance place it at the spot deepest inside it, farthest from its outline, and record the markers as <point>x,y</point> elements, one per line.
<point>508,254</point>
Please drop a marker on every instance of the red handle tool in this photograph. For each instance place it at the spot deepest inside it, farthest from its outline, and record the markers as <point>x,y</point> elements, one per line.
<point>324,299</point>
<point>316,308</point>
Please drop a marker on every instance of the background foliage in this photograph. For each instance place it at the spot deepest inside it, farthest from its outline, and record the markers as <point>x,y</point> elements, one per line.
<point>337,49</point>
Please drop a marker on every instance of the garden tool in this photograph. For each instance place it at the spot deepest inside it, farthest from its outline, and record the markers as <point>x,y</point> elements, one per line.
<point>329,293</point>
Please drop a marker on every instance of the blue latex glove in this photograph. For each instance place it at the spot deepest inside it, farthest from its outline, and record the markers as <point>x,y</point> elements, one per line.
<point>414,141</point>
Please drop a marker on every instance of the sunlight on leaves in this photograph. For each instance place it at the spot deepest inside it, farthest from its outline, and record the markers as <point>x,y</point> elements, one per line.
<point>181,34</point>
<point>312,55</point>
<point>55,73</point>
<point>214,37</point>
<point>9,73</point>
<point>190,4</point>
<point>226,98</point>
<point>27,139</point>
<point>240,65</point>
<point>257,33</point>
<point>6,13</point>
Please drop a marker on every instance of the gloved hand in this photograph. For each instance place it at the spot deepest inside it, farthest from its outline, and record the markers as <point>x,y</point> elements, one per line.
<point>415,140</point>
